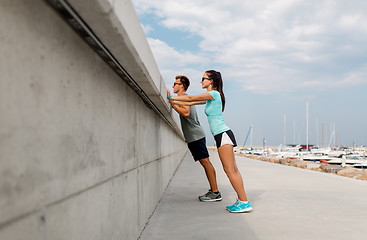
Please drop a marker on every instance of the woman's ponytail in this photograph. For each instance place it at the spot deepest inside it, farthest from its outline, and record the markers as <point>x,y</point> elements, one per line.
<point>217,84</point>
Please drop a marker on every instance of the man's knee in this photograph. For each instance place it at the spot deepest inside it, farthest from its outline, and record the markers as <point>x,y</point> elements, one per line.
<point>205,162</point>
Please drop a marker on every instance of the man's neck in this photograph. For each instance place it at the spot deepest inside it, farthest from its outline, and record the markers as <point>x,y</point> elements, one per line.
<point>181,93</point>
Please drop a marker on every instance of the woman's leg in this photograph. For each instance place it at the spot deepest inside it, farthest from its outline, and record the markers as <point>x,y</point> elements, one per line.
<point>210,173</point>
<point>226,156</point>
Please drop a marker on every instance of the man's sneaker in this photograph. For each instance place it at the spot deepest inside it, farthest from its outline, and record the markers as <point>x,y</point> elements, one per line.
<point>239,207</point>
<point>210,197</point>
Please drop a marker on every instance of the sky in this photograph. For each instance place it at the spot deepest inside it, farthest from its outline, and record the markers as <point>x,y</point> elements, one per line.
<point>276,58</point>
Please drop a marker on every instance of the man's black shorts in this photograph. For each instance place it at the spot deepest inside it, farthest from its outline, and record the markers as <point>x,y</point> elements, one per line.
<point>198,149</point>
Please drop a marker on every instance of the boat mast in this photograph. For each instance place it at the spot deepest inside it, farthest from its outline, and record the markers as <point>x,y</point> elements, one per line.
<point>307,125</point>
<point>252,127</point>
<point>322,141</point>
<point>284,130</point>
<point>332,134</point>
<point>336,139</point>
<point>294,131</point>
<point>248,133</point>
<point>326,134</point>
<point>317,132</point>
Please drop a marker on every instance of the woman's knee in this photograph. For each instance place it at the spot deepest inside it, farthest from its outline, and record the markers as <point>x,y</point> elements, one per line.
<point>230,170</point>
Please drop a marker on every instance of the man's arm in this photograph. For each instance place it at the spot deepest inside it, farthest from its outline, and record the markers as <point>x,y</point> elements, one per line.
<point>182,110</point>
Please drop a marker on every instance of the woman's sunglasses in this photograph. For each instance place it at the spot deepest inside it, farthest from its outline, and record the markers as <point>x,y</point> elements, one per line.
<point>202,79</point>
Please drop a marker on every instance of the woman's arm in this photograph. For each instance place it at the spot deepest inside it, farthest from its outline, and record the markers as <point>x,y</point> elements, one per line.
<point>181,103</point>
<point>189,98</point>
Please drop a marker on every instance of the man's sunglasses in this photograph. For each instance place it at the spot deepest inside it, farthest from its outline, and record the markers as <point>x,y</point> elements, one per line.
<point>174,84</point>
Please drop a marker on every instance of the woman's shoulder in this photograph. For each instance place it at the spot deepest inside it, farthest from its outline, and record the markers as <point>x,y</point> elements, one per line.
<point>214,93</point>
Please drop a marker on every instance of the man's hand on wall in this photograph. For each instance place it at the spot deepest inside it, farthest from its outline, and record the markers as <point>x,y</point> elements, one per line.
<point>168,93</point>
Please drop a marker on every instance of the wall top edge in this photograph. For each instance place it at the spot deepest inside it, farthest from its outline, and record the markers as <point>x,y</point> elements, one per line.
<point>117,26</point>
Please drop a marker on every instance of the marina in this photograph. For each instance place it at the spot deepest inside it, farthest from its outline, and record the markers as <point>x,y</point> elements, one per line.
<point>343,161</point>
<point>343,156</point>
<point>316,156</point>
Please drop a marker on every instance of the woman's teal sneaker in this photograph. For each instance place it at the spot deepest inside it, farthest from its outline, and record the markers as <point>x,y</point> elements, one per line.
<point>239,207</point>
<point>232,206</point>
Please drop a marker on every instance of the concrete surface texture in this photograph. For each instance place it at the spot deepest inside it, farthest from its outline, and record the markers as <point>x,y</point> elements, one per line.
<point>288,202</point>
<point>117,26</point>
<point>81,155</point>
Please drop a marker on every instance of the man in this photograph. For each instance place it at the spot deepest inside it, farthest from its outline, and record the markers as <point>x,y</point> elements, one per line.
<point>195,138</point>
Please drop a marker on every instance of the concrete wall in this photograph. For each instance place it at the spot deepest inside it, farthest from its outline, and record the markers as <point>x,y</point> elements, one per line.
<point>81,155</point>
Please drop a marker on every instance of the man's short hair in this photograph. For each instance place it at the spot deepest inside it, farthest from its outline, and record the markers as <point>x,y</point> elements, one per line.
<point>184,80</point>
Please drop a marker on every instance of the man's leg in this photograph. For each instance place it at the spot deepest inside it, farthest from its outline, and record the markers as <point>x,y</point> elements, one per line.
<point>200,153</point>
<point>213,194</point>
<point>210,173</point>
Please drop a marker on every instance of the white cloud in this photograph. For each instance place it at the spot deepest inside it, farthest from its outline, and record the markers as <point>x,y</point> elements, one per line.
<point>172,62</point>
<point>147,29</point>
<point>167,56</point>
<point>268,46</point>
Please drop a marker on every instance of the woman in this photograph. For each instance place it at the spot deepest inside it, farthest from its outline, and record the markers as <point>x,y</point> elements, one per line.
<point>214,101</point>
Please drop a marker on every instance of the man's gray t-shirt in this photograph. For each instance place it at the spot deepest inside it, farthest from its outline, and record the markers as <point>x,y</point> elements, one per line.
<point>191,126</point>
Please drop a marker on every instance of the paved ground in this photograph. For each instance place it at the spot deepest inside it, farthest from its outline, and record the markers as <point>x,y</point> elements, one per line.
<point>288,202</point>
